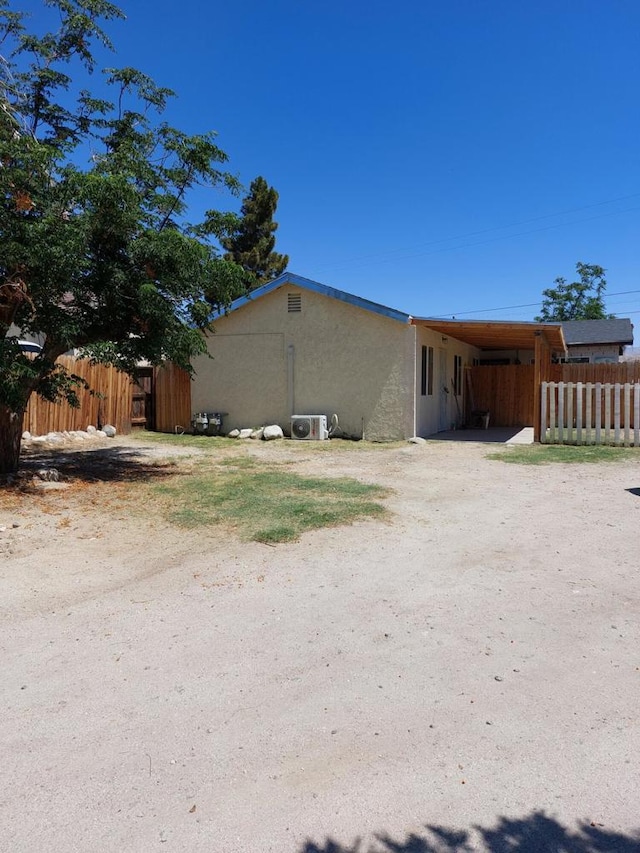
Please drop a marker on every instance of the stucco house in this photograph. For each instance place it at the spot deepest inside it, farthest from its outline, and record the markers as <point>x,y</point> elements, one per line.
<point>597,341</point>
<point>295,346</point>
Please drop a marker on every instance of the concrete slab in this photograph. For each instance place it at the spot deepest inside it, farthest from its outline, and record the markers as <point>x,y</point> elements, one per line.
<point>493,435</point>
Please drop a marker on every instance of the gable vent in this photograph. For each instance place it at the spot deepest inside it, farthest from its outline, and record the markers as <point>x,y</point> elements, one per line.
<point>294,303</point>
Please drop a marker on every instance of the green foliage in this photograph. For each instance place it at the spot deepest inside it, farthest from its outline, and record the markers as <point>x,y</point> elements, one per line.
<point>96,252</point>
<point>252,242</point>
<point>543,454</point>
<point>268,504</point>
<point>576,300</point>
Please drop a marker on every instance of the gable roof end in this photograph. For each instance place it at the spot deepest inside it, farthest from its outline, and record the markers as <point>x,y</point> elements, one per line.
<point>315,287</point>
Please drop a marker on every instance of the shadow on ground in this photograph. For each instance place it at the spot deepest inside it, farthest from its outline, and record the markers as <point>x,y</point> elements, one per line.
<point>493,435</point>
<point>109,464</point>
<point>535,833</point>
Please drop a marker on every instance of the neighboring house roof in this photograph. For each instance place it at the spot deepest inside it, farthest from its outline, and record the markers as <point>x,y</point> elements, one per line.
<point>306,283</point>
<point>617,331</point>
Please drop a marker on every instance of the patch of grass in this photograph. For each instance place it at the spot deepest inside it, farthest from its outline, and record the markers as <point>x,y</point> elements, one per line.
<point>344,444</point>
<point>238,462</point>
<point>543,454</point>
<point>268,505</point>
<point>202,442</point>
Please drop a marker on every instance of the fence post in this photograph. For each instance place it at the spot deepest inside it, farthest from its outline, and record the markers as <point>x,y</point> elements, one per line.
<point>598,412</point>
<point>553,431</point>
<point>543,412</point>
<point>636,414</point>
<point>579,403</point>
<point>607,413</point>
<point>627,413</point>
<point>616,414</point>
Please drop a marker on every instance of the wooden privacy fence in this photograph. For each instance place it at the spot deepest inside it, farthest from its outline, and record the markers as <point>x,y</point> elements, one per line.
<point>508,392</point>
<point>172,398</point>
<point>505,391</point>
<point>111,402</point>
<point>590,413</point>
<point>623,371</point>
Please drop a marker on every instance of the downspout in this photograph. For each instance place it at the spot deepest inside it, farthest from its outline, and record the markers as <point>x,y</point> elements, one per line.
<point>290,379</point>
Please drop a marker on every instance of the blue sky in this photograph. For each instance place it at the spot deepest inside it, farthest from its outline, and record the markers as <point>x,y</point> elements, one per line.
<point>438,157</point>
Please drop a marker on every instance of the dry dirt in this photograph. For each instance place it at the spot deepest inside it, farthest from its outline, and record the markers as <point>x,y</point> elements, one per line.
<point>462,676</point>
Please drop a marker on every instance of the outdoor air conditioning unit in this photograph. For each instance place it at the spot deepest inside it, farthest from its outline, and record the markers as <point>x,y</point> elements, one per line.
<point>309,427</point>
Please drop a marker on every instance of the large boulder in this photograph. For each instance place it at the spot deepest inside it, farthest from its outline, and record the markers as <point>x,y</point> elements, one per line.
<point>109,430</point>
<point>269,433</point>
<point>245,433</point>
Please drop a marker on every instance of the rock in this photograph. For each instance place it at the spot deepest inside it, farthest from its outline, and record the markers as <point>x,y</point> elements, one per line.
<point>100,433</point>
<point>39,439</point>
<point>26,435</point>
<point>245,433</point>
<point>54,438</point>
<point>417,440</point>
<point>272,432</point>
<point>51,475</point>
<point>257,433</point>
<point>109,430</point>
<point>91,428</point>
<point>235,433</point>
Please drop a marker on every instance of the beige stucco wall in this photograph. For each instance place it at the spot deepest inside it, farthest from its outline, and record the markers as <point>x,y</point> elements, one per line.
<point>439,411</point>
<point>332,357</point>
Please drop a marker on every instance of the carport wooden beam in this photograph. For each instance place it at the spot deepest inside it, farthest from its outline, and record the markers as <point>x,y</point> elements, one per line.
<point>542,363</point>
<point>498,334</point>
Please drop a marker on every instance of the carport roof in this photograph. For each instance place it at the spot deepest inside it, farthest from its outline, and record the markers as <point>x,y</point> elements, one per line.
<point>496,334</point>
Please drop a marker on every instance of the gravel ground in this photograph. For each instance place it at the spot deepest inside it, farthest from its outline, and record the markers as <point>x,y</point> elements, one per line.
<point>462,676</point>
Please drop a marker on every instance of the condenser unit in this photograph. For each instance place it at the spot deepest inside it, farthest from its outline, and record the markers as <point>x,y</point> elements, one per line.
<point>309,427</point>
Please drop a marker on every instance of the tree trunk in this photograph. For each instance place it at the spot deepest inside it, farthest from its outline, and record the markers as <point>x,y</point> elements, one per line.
<point>10,435</point>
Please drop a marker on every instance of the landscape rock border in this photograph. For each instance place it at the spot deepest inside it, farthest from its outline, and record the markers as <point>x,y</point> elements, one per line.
<point>65,437</point>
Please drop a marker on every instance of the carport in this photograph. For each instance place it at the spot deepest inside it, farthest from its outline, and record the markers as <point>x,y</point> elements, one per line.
<point>509,391</point>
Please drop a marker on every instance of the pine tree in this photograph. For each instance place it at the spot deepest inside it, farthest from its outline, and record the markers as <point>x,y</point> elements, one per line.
<point>251,246</point>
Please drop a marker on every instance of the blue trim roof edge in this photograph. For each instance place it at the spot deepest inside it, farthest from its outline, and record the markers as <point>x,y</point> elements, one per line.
<point>316,287</point>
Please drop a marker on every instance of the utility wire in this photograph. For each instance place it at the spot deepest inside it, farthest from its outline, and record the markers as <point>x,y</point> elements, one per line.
<point>387,255</point>
<point>515,307</point>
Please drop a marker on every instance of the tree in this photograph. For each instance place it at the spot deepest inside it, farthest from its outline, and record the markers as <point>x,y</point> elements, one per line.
<point>251,245</point>
<point>576,300</point>
<point>95,251</point>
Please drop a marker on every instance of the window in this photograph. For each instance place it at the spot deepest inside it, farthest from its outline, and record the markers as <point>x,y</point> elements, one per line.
<point>426,374</point>
<point>294,303</point>
<point>457,375</point>
<point>430,373</point>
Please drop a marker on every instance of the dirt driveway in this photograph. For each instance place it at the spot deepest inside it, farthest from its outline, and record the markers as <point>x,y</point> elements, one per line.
<point>464,676</point>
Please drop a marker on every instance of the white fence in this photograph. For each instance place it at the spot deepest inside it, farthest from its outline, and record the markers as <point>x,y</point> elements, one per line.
<point>590,413</point>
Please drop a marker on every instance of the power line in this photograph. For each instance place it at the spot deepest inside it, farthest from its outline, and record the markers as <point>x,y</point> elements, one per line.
<point>516,307</point>
<point>387,255</point>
